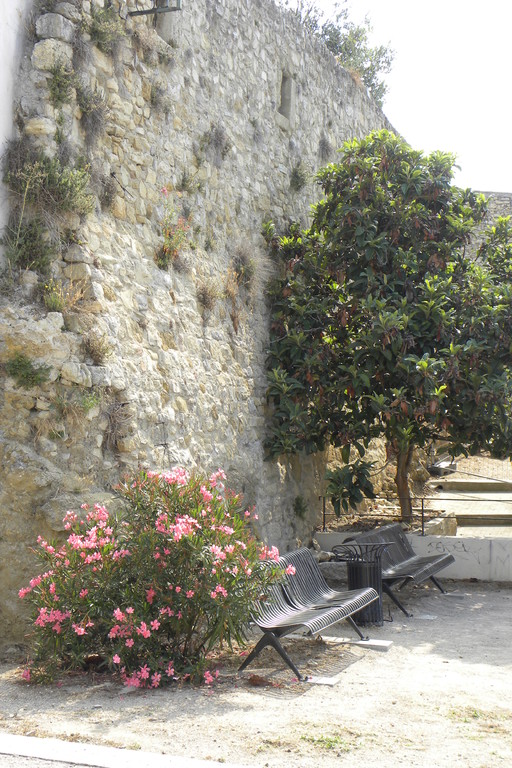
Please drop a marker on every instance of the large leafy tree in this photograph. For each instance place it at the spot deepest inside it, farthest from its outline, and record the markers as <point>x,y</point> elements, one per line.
<point>383,326</point>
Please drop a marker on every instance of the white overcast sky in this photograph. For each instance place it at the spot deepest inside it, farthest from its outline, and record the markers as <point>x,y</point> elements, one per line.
<point>451,83</point>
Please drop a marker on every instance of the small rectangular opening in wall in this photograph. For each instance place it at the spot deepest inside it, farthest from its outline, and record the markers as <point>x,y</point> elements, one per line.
<point>287,94</point>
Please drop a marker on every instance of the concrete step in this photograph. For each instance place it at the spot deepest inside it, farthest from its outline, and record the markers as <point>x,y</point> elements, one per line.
<point>474,485</point>
<point>489,519</point>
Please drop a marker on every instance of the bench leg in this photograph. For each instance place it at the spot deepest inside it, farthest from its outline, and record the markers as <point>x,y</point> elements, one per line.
<point>438,585</point>
<point>395,599</point>
<point>354,626</point>
<point>270,639</point>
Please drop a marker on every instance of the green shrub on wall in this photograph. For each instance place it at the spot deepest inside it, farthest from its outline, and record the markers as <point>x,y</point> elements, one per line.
<point>106,29</point>
<point>28,245</point>
<point>25,373</point>
<point>93,107</point>
<point>61,84</point>
<point>46,183</point>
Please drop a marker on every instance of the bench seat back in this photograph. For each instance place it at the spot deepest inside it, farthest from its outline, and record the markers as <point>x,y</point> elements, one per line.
<point>307,586</point>
<point>399,549</point>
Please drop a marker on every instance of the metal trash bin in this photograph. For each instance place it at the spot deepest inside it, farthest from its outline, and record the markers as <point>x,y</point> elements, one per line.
<point>364,569</point>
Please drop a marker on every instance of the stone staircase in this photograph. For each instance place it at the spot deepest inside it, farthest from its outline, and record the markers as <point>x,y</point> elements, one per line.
<point>478,494</point>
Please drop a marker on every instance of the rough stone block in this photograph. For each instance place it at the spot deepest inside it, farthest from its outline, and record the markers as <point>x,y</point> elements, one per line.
<point>118,208</point>
<point>47,53</point>
<point>69,11</point>
<point>75,254</point>
<point>76,373</point>
<point>102,62</point>
<point>54,25</point>
<point>77,271</point>
<point>40,126</point>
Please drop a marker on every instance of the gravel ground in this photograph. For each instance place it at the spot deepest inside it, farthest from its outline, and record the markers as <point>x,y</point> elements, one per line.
<point>440,696</point>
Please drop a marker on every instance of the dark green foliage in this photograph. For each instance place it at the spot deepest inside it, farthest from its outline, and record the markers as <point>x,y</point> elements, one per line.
<point>299,177</point>
<point>349,43</point>
<point>28,245</point>
<point>46,183</point>
<point>61,84</point>
<point>347,486</point>
<point>27,375</point>
<point>382,326</point>
<point>94,113</point>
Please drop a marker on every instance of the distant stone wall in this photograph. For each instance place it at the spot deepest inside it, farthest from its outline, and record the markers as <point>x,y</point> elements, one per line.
<point>499,204</point>
<point>227,105</point>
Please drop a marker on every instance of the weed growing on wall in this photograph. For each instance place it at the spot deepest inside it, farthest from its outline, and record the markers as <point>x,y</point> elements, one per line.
<point>53,296</point>
<point>61,84</point>
<point>325,149</point>
<point>106,29</point>
<point>28,245</point>
<point>119,419</point>
<point>216,143</point>
<point>46,183</point>
<point>299,177</point>
<point>71,405</point>
<point>188,184</point>
<point>207,296</point>
<point>175,229</point>
<point>244,267</point>
<point>151,592</point>
<point>158,98</point>
<point>58,297</point>
<point>105,187</point>
<point>97,347</point>
<point>25,373</point>
<point>93,107</point>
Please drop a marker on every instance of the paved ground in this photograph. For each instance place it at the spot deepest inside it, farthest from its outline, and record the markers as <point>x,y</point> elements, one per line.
<point>27,752</point>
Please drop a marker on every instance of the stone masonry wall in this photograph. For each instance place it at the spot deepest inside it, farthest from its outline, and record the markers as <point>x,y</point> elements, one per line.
<point>224,105</point>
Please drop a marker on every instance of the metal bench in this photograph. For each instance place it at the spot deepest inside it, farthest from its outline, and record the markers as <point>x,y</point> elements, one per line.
<point>399,562</point>
<point>303,600</point>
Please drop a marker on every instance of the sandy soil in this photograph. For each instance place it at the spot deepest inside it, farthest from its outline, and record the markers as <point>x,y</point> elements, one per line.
<point>440,696</point>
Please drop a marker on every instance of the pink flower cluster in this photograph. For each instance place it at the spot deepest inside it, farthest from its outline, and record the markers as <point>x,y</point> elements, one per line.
<point>184,526</point>
<point>271,553</point>
<point>209,678</point>
<point>175,476</point>
<point>184,560</point>
<point>53,617</point>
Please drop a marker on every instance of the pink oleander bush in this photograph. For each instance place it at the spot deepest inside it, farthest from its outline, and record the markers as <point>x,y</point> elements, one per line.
<point>148,593</point>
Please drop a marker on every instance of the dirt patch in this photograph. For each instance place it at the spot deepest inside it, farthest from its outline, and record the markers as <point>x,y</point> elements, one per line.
<point>440,696</point>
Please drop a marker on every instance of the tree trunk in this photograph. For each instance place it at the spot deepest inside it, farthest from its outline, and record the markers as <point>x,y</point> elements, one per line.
<point>403,462</point>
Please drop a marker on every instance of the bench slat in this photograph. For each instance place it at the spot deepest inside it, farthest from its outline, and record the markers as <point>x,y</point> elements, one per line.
<point>399,561</point>
<point>303,600</point>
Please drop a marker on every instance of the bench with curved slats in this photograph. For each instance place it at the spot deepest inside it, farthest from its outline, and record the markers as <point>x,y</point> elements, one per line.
<point>303,601</point>
<point>400,564</point>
